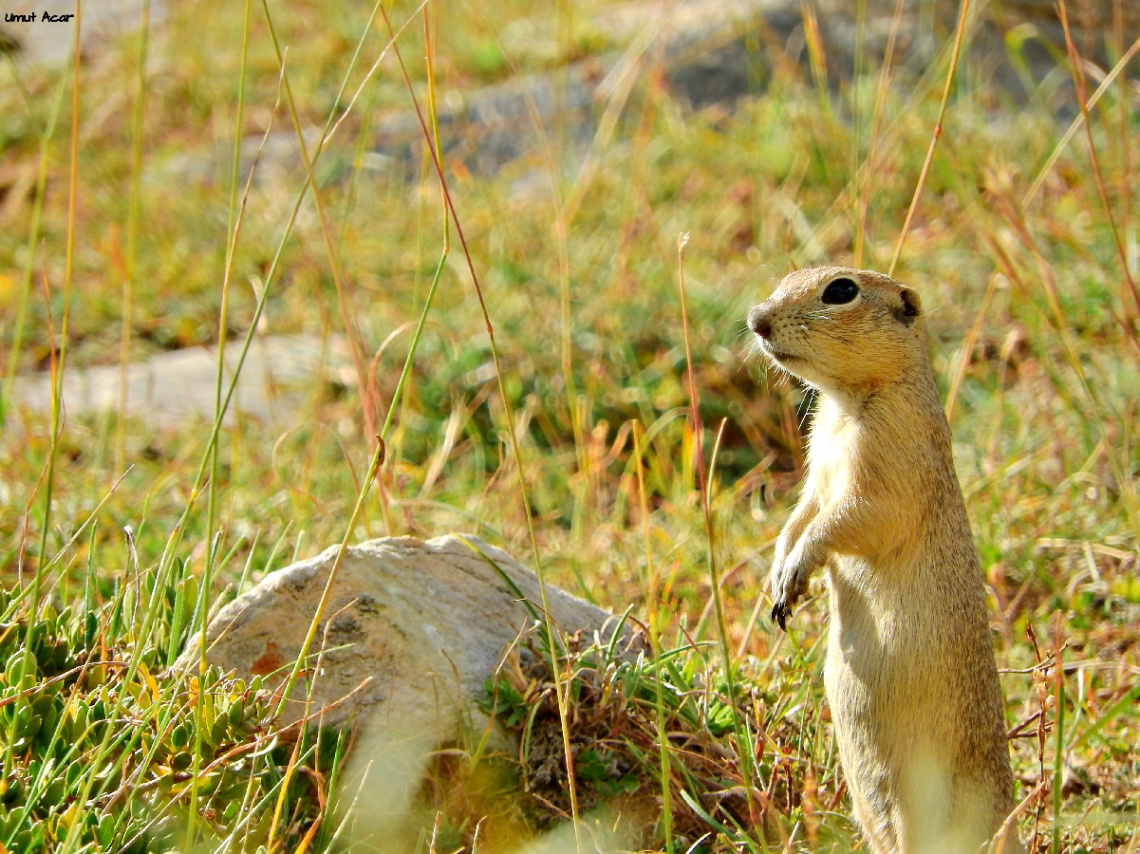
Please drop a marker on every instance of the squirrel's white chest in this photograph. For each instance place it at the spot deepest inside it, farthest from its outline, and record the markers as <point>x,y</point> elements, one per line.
<point>833,455</point>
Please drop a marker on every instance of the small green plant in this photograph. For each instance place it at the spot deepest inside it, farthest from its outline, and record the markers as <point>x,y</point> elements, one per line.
<point>63,699</point>
<point>615,691</point>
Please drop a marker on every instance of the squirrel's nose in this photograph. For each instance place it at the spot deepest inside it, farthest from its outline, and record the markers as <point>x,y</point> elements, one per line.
<point>759,322</point>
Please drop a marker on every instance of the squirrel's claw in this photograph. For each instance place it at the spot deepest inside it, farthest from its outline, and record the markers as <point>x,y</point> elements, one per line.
<point>780,614</point>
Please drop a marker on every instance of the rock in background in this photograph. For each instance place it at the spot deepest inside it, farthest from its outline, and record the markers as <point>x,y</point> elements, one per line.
<point>171,387</point>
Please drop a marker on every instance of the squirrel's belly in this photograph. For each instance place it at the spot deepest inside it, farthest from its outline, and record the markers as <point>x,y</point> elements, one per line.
<point>885,644</point>
<point>889,677</point>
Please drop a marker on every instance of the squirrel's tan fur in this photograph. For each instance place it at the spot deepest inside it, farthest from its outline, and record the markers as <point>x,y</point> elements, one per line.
<point>910,674</point>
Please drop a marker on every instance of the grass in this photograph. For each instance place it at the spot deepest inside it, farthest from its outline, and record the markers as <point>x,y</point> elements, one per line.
<point>646,454</point>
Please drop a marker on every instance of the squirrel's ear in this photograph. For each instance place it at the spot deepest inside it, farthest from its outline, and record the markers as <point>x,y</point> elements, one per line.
<point>911,306</point>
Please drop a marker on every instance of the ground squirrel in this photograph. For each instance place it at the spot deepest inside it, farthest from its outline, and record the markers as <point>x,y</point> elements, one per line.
<point>910,674</point>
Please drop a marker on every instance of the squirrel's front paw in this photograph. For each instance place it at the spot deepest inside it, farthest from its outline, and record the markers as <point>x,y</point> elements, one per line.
<point>790,582</point>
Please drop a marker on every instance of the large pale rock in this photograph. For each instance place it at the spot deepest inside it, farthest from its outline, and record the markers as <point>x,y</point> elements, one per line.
<point>410,633</point>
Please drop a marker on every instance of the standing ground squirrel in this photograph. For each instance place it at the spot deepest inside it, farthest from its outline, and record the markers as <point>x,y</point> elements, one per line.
<point>910,675</point>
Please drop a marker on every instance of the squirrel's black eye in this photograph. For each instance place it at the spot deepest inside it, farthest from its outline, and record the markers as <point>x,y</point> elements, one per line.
<point>840,291</point>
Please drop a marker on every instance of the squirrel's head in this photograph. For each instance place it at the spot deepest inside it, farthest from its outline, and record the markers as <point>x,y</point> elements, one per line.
<point>841,329</point>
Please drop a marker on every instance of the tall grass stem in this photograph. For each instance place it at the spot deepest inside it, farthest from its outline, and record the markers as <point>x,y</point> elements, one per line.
<point>959,35</point>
